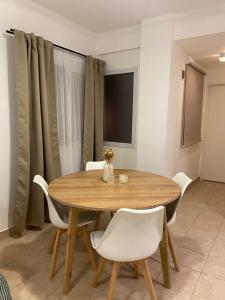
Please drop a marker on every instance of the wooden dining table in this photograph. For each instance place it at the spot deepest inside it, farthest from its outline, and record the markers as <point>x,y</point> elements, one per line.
<point>86,190</point>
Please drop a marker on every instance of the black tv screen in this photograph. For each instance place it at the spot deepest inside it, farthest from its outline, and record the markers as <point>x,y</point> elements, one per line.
<point>118,107</point>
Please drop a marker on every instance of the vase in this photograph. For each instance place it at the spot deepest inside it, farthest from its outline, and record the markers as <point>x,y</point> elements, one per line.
<point>108,174</point>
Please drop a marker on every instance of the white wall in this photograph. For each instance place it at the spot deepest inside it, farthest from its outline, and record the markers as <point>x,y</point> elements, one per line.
<point>28,17</point>
<point>161,104</point>
<point>155,68</point>
<point>215,76</point>
<point>118,40</point>
<point>118,61</point>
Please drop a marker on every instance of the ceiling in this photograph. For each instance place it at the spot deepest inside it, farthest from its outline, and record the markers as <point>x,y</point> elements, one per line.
<point>105,15</point>
<point>205,49</point>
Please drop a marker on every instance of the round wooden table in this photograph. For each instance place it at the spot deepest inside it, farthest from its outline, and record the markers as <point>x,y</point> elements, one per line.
<point>86,190</point>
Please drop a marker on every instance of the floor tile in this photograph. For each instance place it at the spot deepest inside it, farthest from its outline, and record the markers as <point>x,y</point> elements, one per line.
<point>210,234</point>
<point>197,298</point>
<point>215,267</point>
<point>190,259</point>
<point>211,220</point>
<point>218,249</point>
<point>29,291</point>
<point>210,288</point>
<point>199,245</point>
<point>183,281</point>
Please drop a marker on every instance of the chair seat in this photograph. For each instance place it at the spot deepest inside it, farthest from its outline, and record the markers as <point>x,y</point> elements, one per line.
<point>172,220</point>
<point>96,237</point>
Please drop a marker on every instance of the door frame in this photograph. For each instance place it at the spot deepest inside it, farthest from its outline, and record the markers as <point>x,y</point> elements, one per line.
<point>205,125</point>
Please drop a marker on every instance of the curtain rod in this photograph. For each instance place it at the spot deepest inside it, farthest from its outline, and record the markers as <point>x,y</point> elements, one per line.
<point>11,31</point>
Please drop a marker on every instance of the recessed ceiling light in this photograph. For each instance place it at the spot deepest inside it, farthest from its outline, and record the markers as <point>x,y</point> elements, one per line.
<point>222,57</point>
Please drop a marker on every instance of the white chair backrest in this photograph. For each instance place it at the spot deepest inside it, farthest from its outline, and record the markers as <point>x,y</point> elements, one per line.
<point>95,165</point>
<point>132,234</point>
<point>53,214</point>
<point>183,181</point>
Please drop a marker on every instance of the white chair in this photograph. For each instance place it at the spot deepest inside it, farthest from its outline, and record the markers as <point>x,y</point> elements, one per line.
<point>96,165</point>
<point>183,181</point>
<point>131,236</point>
<point>85,218</point>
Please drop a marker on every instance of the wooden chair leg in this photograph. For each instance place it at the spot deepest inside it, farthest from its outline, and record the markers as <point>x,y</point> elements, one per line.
<point>136,270</point>
<point>101,267</point>
<point>148,280</point>
<point>52,241</point>
<point>70,246</point>
<point>114,274</point>
<point>88,247</point>
<point>170,242</point>
<point>55,253</point>
<point>164,253</point>
<point>98,218</point>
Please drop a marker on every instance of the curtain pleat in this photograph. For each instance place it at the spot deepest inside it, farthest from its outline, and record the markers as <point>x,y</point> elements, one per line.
<point>93,111</point>
<point>38,150</point>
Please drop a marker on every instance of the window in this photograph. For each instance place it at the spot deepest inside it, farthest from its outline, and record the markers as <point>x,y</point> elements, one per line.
<point>192,108</point>
<point>119,108</point>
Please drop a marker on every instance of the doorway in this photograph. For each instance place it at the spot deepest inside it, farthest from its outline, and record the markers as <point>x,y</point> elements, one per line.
<point>214,148</point>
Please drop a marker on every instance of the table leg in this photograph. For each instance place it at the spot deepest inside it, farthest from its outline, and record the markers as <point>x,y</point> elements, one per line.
<point>164,253</point>
<point>72,233</point>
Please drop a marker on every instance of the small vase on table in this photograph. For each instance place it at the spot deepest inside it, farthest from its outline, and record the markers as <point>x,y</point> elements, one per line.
<point>108,174</point>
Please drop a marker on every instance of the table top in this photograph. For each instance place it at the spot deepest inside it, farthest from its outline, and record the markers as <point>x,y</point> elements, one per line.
<point>86,190</point>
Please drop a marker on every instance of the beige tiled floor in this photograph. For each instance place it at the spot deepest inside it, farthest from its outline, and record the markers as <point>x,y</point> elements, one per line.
<point>199,237</point>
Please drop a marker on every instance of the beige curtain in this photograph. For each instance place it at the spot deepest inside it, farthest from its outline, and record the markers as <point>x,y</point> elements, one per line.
<point>93,110</point>
<point>38,151</point>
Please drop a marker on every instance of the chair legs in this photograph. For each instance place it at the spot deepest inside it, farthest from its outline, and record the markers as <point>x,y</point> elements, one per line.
<point>170,242</point>
<point>88,247</point>
<point>55,252</point>
<point>115,271</point>
<point>101,267</point>
<point>148,280</point>
<point>136,270</point>
<point>52,241</point>
<point>54,248</point>
<point>97,222</point>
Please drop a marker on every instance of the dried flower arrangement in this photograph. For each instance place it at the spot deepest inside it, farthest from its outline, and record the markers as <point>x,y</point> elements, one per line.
<point>108,155</point>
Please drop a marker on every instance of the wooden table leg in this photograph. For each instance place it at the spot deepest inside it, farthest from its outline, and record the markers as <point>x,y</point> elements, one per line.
<point>164,253</point>
<point>72,233</point>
